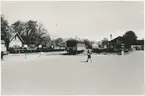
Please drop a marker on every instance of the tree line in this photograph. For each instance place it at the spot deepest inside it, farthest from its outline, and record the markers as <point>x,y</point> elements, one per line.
<point>32,32</point>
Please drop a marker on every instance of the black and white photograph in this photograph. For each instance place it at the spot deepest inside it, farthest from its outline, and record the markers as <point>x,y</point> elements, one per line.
<point>72,48</point>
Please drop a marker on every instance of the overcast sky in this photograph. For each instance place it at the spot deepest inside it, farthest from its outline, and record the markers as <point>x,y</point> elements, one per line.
<point>92,20</point>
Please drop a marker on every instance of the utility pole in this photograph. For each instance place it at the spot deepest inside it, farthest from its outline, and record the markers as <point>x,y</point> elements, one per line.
<point>54,37</point>
<point>25,46</point>
<point>40,47</point>
<point>52,45</point>
<point>110,40</point>
<point>110,37</point>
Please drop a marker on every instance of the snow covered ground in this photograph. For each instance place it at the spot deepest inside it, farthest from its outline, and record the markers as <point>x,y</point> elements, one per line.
<point>70,75</point>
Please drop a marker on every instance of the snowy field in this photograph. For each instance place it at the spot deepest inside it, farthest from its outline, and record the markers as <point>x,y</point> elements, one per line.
<point>70,75</point>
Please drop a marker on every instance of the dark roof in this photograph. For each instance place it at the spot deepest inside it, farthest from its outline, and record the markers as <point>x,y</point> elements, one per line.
<point>16,34</point>
<point>117,38</point>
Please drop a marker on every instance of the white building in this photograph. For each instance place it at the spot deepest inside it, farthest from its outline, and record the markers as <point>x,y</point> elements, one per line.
<point>16,40</point>
<point>3,47</point>
<point>95,45</point>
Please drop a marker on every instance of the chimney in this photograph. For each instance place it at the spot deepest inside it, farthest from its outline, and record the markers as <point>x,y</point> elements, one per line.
<point>110,36</point>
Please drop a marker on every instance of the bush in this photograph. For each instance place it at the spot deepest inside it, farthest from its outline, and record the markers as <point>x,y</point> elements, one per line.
<point>110,50</point>
<point>107,50</point>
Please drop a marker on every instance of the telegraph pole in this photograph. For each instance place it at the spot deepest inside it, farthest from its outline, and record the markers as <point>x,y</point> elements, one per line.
<point>110,36</point>
<point>110,40</point>
<point>25,46</point>
<point>54,37</point>
<point>40,47</point>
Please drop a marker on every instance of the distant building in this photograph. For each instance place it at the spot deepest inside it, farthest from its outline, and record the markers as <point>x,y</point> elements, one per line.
<point>139,45</point>
<point>95,45</point>
<point>119,40</point>
<point>113,43</point>
<point>16,40</point>
<point>3,47</point>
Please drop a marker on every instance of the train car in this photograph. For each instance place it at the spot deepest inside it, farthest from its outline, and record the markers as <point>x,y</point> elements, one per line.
<point>75,46</point>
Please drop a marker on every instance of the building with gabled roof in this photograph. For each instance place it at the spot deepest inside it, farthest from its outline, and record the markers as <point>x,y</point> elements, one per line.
<point>16,40</point>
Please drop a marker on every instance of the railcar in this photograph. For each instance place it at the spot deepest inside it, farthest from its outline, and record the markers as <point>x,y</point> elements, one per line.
<point>75,46</point>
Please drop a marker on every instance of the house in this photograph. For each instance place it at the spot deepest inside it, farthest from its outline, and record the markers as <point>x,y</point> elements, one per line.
<point>116,41</point>
<point>16,41</point>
